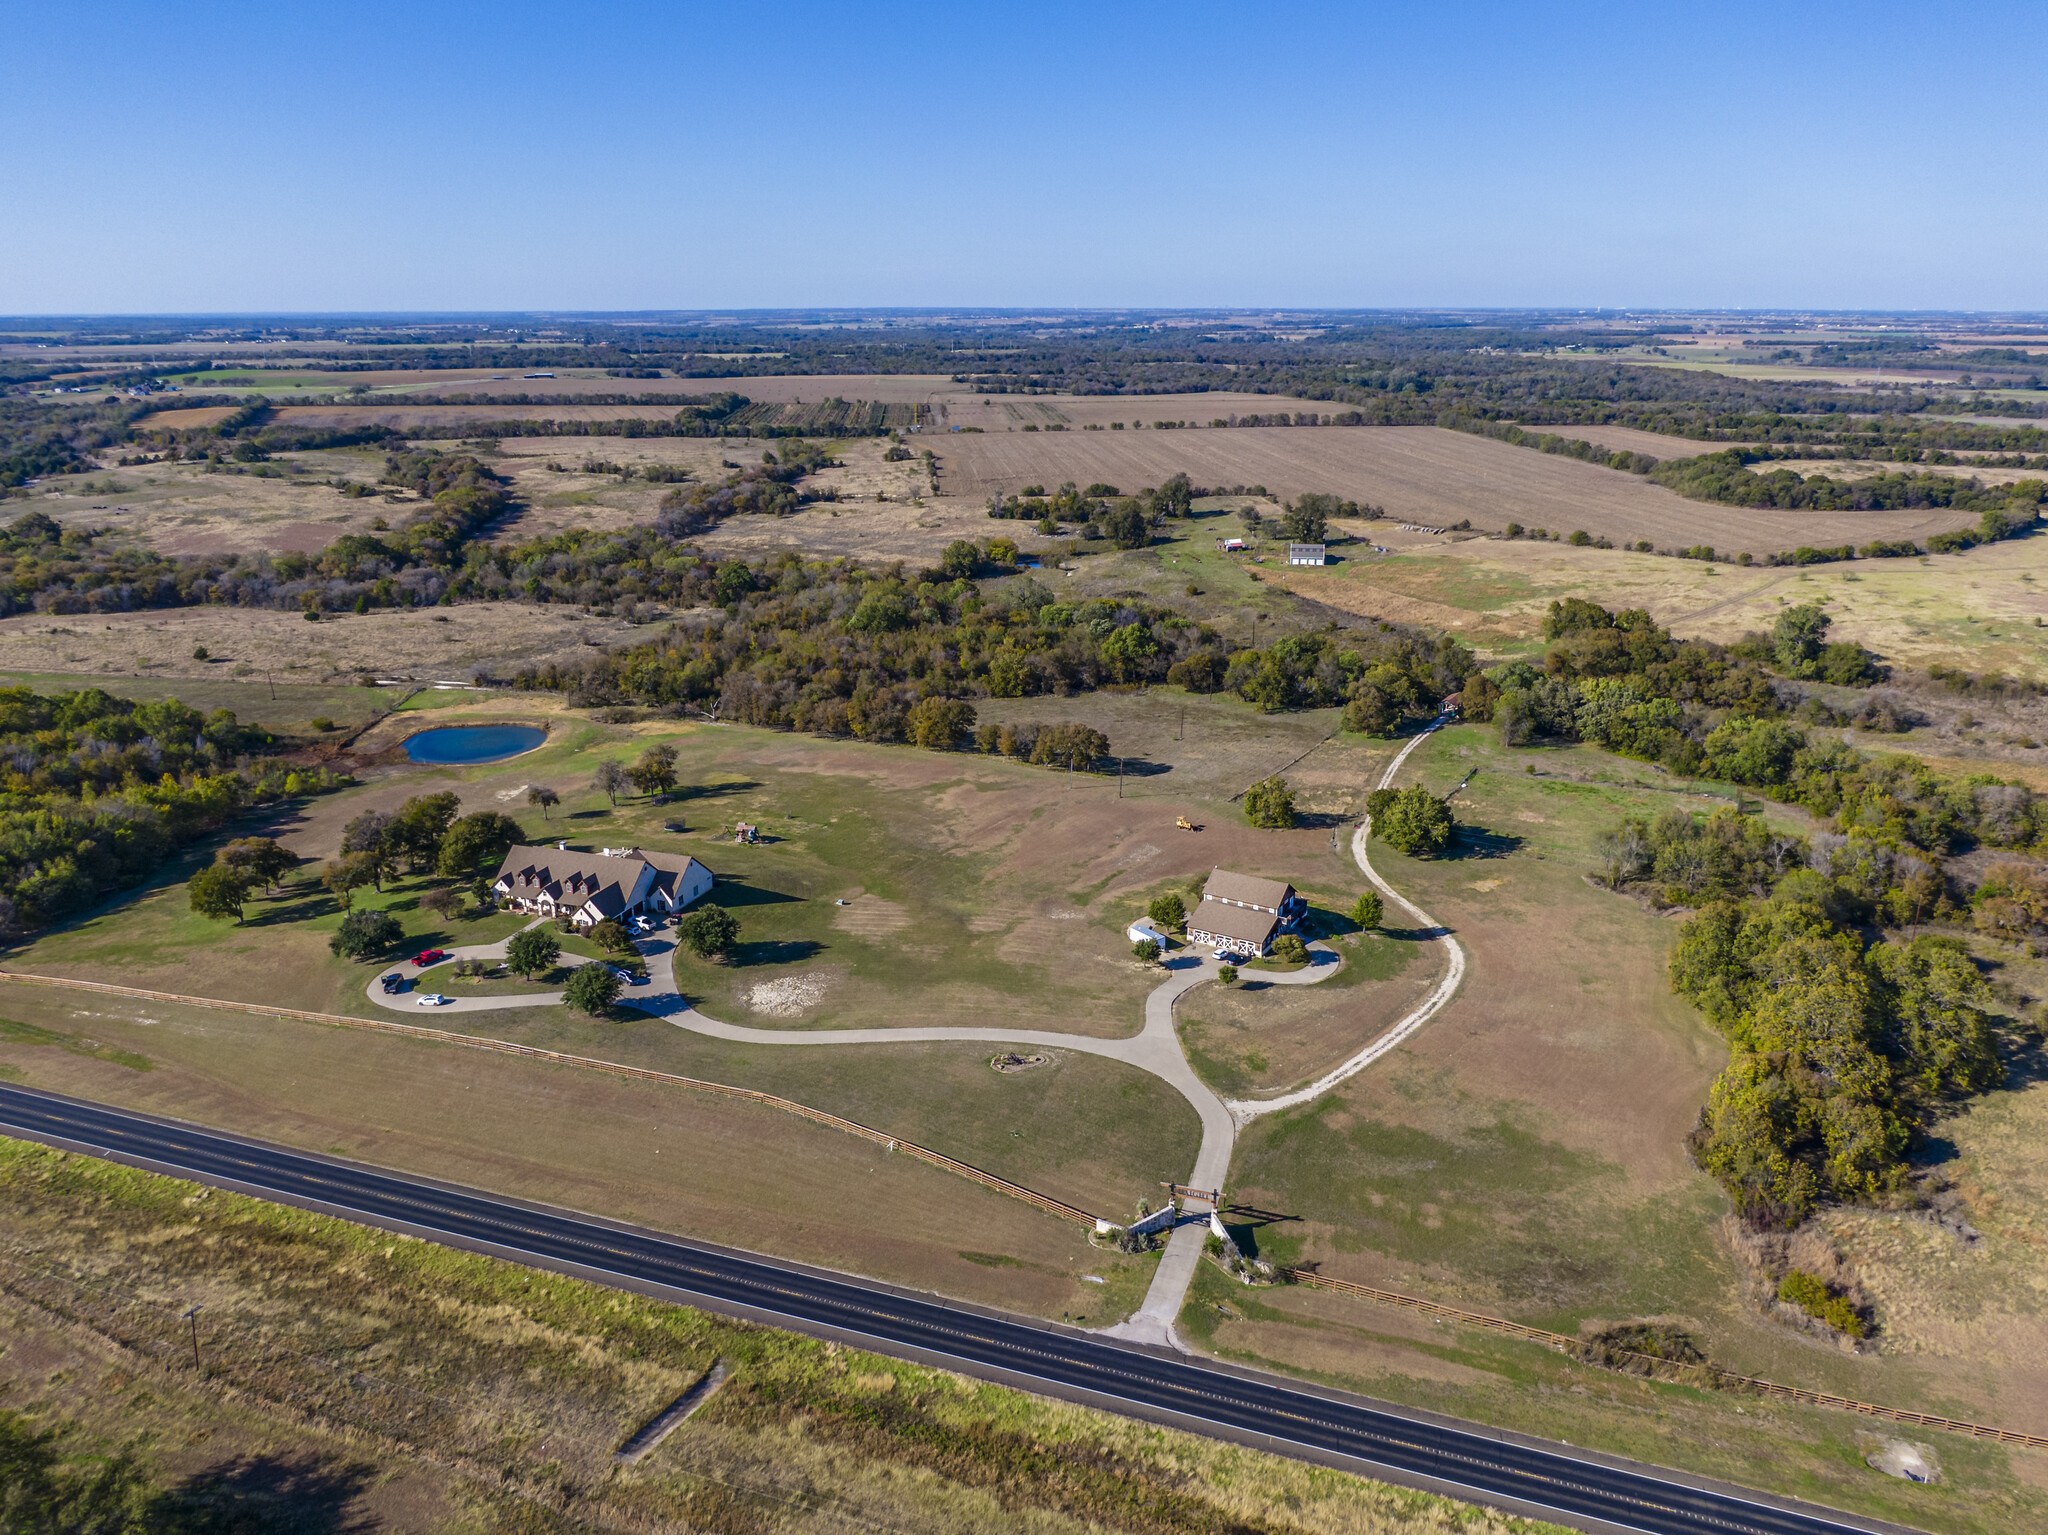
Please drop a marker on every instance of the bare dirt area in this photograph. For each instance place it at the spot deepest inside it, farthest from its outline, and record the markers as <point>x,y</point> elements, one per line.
<point>1419,474</point>
<point>1626,439</point>
<point>427,645</point>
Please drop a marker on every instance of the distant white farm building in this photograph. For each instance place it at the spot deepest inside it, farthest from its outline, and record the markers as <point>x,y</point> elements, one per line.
<point>588,888</point>
<point>1243,913</point>
<point>1305,554</point>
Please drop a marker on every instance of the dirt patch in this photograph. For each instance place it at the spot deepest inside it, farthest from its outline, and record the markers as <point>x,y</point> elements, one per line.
<point>789,996</point>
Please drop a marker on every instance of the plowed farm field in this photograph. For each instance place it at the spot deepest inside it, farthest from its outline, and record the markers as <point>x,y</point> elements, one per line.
<point>1418,473</point>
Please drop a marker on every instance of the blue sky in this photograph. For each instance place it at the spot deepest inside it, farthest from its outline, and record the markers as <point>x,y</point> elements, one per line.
<point>240,157</point>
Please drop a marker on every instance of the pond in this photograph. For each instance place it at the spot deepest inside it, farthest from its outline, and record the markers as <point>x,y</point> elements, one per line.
<point>464,745</point>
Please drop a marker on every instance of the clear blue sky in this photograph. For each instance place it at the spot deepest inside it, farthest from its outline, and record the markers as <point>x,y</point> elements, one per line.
<point>370,156</point>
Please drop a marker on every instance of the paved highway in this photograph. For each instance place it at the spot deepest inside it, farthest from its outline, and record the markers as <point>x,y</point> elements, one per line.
<point>1469,1463</point>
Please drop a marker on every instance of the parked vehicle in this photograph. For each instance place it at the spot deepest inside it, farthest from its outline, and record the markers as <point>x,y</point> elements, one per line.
<point>394,982</point>
<point>434,999</point>
<point>428,957</point>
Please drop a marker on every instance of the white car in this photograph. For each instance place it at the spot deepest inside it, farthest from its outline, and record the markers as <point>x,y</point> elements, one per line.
<point>1224,956</point>
<point>434,999</point>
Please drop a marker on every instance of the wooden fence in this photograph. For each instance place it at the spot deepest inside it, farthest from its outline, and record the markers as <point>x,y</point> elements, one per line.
<point>1579,1348</point>
<point>937,1159</point>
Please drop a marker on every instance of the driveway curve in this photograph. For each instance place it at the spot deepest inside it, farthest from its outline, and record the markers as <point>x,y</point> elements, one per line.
<point>1155,1048</point>
<point>1244,1110</point>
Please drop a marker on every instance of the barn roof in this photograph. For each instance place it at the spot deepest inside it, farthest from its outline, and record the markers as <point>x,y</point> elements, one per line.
<point>1246,890</point>
<point>1237,922</point>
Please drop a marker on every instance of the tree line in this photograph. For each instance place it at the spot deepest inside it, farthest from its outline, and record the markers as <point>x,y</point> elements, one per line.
<point>96,791</point>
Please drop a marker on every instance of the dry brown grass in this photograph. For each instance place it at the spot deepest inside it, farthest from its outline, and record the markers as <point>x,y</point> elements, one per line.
<point>429,645</point>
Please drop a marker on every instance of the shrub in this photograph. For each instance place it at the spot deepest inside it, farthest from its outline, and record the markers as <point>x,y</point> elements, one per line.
<point>1416,823</point>
<point>1290,950</point>
<point>1146,951</point>
<point>322,723</point>
<point>1168,911</point>
<point>612,938</point>
<point>1367,911</point>
<point>1270,803</point>
<point>1812,1295</point>
<point>592,989</point>
<point>1227,974</point>
<point>365,933</point>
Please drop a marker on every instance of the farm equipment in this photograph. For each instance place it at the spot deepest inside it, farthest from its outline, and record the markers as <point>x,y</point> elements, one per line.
<point>1185,824</point>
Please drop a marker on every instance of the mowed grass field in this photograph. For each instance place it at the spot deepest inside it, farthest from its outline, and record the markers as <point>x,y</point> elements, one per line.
<point>1523,1155</point>
<point>976,892</point>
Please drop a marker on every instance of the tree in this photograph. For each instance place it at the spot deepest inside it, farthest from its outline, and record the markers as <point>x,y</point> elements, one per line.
<point>655,772</point>
<point>709,931</point>
<point>341,876</point>
<point>1307,521</point>
<point>366,933</point>
<point>543,796</point>
<point>1168,911</point>
<point>592,989</point>
<point>1146,951</point>
<point>444,902</point>
<point>1367,911</point>
<point>421,823</point>
<point>260,858</point>
<point>610,780</point>
<point>368,832</point>
<point>940,724</point>
<point>1416,823</point>
<point>532,951</point>
<point>1369,714</point>
<point>611,937</point>
<point>218,892</point>
<point>476,845</point>
<point>1125,524</point>
<point>1129,650</point>
<point>960,560</point>
<point>1290,950</point>
<point>1227,974</point>
<point>1270,803</point>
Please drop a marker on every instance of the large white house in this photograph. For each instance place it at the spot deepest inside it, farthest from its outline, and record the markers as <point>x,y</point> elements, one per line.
<point>1243,914</point>
<point>589,887</point>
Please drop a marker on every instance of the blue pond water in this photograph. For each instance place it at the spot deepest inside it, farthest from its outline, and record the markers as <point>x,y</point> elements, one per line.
<point>461,745</point>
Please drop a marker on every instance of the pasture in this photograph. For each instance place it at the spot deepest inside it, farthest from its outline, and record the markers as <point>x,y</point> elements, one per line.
<point>1976,610</point>
<point>1524,1155</point>
<point>435,644</point>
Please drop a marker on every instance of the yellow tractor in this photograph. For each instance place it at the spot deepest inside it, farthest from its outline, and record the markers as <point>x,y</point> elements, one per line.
<point>1185,824</point>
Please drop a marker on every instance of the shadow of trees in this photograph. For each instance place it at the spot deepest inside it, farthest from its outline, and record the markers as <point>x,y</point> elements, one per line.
<point>264,1495</point>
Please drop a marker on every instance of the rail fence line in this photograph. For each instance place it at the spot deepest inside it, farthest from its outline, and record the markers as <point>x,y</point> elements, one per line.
<point>938,1159</point>
<point>1579,1348</point>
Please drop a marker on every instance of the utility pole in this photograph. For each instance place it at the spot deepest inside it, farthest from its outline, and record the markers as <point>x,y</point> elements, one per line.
<point>192,1316</point>
<point>1119,778</point>
<point>272,676</point>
